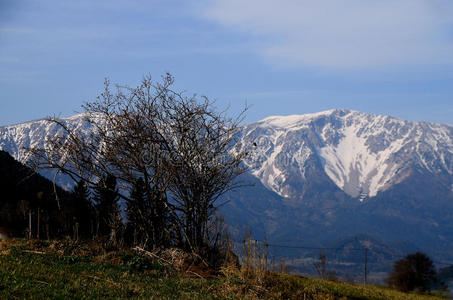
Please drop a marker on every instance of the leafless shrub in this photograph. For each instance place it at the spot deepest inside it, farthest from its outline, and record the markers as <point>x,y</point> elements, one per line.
<point>179,146</point>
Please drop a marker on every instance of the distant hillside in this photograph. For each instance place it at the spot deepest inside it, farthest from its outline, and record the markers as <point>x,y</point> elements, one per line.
<point>346,258</point>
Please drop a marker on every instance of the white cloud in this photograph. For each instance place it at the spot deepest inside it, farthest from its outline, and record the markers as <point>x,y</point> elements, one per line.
<point>343,33</point>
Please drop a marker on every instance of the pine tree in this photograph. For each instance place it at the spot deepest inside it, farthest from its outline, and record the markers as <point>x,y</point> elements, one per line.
<point>109,220</point>
<point>137,211</point>
<point>157,199</point>
<point>147,216</point>
<point>82,210</point>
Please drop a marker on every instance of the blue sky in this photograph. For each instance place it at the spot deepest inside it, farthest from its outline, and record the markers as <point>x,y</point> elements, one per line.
<point>282,57</point>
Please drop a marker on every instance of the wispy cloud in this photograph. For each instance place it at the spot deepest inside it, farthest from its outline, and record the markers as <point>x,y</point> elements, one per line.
<point>343,33</point>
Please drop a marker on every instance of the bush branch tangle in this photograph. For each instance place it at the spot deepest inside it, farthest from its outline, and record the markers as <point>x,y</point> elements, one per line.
<point>175,151</point>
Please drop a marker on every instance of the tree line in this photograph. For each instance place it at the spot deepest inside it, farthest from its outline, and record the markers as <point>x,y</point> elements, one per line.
<point>28,207</point>
<point>28,199</point>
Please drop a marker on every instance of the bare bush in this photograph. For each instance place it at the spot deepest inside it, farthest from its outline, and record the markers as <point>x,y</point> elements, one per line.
<point>178,147</point>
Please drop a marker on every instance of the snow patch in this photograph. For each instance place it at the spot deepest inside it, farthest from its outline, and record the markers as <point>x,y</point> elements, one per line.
<point>294,120</point>
<point>354,167</point>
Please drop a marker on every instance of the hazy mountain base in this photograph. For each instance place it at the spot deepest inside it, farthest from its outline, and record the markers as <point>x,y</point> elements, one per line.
<point>396,222</point>
<point>28,271</point>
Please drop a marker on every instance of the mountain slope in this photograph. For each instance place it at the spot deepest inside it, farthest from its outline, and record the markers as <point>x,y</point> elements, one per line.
<point>362,154</point>
<point>24,191</point>
<point>17,139</point>
<point>345,173</point>
<point>323,176</point>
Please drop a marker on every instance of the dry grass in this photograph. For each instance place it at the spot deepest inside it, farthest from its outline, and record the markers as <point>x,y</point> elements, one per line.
<point>41,270</point>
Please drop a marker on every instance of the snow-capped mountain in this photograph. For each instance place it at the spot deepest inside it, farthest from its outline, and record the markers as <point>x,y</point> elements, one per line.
<point>324,176</point>
<point>362,154</point>
<point>339,173</point>
<point>17,139</point>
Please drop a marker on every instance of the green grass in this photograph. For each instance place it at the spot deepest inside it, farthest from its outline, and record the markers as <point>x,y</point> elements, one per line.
<point>32,275</point>
<point>293,287</point>
<point>27,272</point>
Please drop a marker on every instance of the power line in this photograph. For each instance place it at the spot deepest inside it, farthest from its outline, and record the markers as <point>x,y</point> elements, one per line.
<point>311,248</point>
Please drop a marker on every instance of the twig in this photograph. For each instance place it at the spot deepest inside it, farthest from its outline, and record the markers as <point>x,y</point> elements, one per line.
<point>33,251</point>
<point>192,272</point>
<point>152,255</point>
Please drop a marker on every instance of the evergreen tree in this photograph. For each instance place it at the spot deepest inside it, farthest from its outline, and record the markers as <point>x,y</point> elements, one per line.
<point>82,210</point>
<point>137,211</point>
<point>27,196</point>
<point>160,218</point>
<point>109,221</point>
<point>147,216</point>
<point>413,272</point>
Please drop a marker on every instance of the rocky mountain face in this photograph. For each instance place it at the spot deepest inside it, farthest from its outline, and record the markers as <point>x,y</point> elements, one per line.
<point>321,177</point>
<point>339,173</point>
<point>361,154</point>
<point>18,139</point>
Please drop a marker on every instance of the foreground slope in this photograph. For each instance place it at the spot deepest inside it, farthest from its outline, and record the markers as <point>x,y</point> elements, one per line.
<point>44,270</point>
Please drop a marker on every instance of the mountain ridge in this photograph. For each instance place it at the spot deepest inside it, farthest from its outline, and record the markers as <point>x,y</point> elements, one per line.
<point>351,145</point>
<point>322,176</point>
<point>363,154</point>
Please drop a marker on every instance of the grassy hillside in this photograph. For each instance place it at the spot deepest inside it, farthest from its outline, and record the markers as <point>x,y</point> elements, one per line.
<point>60,271</point>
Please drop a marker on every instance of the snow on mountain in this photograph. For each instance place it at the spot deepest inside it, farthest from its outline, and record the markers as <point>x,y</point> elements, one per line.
<point>16,139</point>
<point>362,154</point>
